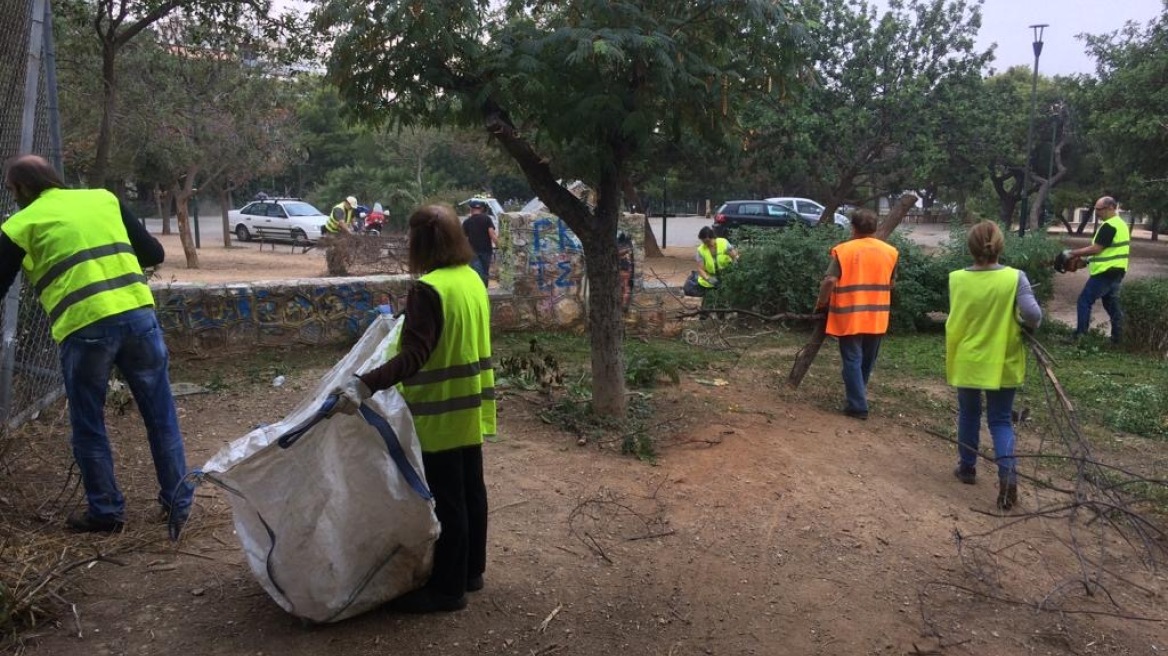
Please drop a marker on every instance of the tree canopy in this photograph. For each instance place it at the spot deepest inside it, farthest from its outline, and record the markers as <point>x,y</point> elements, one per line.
<point>574,89</point>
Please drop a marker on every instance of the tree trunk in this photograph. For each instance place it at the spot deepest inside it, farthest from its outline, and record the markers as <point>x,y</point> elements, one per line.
<point>160,200</point>
<point>225,206</point>
<point>1157,218</point>
<point>596,230</point>
<point>97,172</point>
<point>605,320</point>
<point>182,195</point>
<point>903,205</point>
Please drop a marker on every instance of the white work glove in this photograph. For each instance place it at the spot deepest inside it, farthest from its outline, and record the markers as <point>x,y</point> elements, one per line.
<point>713,280</point>
<point>350,395</point>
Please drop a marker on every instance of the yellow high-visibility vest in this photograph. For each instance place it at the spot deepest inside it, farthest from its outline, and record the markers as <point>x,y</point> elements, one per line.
<point>983,340</point>
<point>78,258</point>
<point>1116,255</point>
<point>452,398</point>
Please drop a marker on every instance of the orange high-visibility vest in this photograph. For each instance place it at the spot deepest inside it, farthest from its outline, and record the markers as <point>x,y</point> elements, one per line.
<point>862,298</point>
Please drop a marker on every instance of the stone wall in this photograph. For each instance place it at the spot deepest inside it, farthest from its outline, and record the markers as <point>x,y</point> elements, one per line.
<point>540,271</point>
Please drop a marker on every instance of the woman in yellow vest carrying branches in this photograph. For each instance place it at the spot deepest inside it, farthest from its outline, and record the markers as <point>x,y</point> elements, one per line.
<point>989,304</point>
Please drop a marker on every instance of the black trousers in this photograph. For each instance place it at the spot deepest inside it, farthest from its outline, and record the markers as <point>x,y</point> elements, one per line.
<point>460,497</point>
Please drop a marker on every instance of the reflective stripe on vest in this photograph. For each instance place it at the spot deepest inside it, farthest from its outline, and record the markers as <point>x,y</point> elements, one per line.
<point>983,341</point>
<point>1114,256</point>
<point>714,265</point>
<point>78,258</point>
<point>452,398</point>
<point>862,297</point>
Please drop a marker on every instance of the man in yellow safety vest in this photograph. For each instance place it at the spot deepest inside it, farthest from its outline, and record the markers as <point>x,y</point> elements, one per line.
<point>83,253</point>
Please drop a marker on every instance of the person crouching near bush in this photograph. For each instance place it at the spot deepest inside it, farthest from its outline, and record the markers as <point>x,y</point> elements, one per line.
<point>989,304</point>
<point>714,256</point>
<point>443,369</point>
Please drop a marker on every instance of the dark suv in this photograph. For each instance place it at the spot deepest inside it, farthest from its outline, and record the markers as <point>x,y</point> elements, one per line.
<point>754,213</point>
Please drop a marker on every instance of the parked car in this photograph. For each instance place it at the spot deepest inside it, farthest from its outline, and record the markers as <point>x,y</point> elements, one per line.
<point>754,213</point>
<point>809,209</point>
<point>278,218</point>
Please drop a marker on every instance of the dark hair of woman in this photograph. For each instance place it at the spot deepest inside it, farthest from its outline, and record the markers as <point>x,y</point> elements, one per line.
<point>437,240</point>
<point>706,233</point>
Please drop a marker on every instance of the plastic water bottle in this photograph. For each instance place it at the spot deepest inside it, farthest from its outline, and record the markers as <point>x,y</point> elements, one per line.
<point>278,381</point>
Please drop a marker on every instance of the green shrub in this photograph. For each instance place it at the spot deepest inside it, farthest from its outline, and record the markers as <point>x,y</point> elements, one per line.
<point>780,271</point>
<point>648,364</point>
<point>1033,254</point>
<point>1145,310</point>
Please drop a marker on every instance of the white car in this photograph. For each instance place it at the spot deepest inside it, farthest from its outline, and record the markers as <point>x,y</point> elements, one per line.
<point>809,209</point>
<point>277,218</point>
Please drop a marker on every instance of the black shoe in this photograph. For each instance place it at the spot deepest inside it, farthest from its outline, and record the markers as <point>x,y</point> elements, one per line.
<point>967,475</point>
<point>856,414</point>
<point>474,583</point>
<point>1007,495</point>
<point>86,523</point>
<point>426,600</point>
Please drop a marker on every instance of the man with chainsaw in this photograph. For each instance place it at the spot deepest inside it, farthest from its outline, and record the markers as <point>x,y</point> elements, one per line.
<point>1106,259</point>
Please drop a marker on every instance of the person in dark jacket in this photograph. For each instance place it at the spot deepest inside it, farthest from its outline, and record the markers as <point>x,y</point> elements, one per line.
<point>84,252</point>
<point>480,230</point>
<point>443,369</point>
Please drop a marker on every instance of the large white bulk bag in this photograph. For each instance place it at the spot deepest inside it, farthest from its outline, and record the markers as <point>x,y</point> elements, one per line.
<point>333,512</point>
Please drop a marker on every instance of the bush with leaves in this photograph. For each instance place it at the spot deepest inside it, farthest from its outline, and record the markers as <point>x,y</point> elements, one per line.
<point>1034,254</point>
<point>780,271</point>
<point>1145,310</point>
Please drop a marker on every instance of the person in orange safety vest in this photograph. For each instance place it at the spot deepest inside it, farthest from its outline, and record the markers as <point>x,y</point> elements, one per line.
<point>857,293</point>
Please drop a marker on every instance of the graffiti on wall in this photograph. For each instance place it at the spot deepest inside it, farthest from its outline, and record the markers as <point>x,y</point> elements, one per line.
<point>555,255</point>
<point>230,316</point>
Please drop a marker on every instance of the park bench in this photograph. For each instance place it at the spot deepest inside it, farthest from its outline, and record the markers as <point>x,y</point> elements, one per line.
<point>271,235</point>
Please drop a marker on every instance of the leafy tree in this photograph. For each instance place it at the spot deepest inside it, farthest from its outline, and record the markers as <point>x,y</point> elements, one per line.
<point>207,120</point>
<point>1130,125</point>
<point>117,23</point>
<point>568,90</point>
<point>889,90</point>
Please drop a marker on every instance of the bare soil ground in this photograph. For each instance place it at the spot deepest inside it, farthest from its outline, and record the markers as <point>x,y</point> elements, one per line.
<point>768,524</point>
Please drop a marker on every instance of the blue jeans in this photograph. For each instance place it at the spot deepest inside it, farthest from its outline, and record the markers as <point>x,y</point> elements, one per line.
<point>482,264</point>
<point>131,341</point>
<point>1099,287</point>
<point>999,405</point>
<point>858,353</point>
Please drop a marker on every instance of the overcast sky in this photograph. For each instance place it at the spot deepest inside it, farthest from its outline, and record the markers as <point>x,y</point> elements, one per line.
<point>1005,22</point>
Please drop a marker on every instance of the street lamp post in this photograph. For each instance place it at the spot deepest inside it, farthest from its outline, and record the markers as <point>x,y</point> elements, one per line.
<point>1038,29</point>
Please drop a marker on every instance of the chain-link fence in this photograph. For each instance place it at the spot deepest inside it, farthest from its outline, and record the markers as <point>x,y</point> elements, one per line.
<point>30,375</point>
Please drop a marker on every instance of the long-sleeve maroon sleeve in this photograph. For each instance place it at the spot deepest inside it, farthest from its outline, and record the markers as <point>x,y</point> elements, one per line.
<point>420,335</point>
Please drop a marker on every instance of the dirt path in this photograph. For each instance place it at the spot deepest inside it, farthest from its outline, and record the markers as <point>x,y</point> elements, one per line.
<point>766,526</point>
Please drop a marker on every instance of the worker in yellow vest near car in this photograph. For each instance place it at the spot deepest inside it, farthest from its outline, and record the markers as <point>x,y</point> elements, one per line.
<point>340,219</point>
<point>1107,264</point>
<point>857,294</point>
<point>985,354</point>
<point>83,254</point>
<point>443,369</point>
